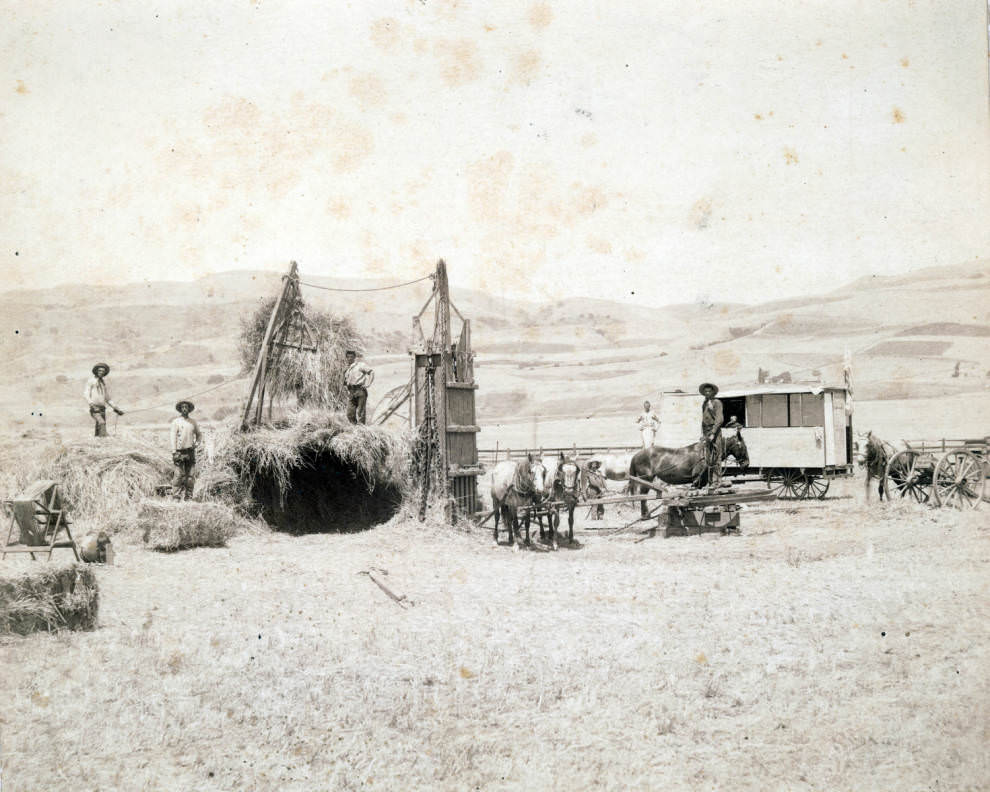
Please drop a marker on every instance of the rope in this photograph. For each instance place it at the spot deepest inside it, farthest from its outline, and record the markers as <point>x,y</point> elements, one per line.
<point>373,289</point>
<point>190,396</point>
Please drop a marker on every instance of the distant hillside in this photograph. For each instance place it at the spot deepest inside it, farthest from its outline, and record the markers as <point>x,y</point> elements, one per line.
<point>919,334</point>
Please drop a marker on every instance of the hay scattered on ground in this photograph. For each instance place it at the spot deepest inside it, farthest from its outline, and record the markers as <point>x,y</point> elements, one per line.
<point>312,472</point>
<point>47,598</point>
<point>104,478</point>
<point>168,525</point>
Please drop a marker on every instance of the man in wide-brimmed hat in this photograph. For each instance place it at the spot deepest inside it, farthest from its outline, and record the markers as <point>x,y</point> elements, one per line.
<point>97,394</point>
<point>358,376</point>
<point>184,435</point>
<point>711,431</point>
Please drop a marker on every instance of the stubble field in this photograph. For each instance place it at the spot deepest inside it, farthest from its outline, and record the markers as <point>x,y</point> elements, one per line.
<point>832,645</point>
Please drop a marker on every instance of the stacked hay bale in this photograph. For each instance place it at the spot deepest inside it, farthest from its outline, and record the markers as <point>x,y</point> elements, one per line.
<point>49,597</point>
<point>169,525</point>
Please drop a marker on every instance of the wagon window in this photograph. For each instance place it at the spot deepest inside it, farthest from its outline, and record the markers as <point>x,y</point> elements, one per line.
<point>754,413</point>
<point>794,409</point>
<point>812,409</point>
<point>774,409</point>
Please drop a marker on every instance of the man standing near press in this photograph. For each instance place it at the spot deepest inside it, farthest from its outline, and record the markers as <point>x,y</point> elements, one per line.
<point>648,424</point>
<point>711,431</point>
<point>358,377</point>
<point>184,434</point>
<point>97,394</point>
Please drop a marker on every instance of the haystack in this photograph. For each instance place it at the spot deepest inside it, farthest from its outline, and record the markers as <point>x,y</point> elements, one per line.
<point>49,597</point>
<point>104,478</point>
<point>314,379</point>
<point>313,472</point>
<point>169,525</point>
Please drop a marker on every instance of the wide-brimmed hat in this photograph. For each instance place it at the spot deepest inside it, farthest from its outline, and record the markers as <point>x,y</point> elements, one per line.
<point>179,404</point>
<point>101,365</point>
<point>703,385</point>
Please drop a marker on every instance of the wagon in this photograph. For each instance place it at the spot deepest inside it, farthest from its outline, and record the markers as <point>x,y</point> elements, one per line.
<point>799,436</point>
<point>942,472</point>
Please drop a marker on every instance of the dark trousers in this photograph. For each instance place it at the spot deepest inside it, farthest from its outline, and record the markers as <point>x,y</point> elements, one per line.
<point>713,459</point>
<point>100,416</point>
<point>357,403</point>
<point>183,480</point>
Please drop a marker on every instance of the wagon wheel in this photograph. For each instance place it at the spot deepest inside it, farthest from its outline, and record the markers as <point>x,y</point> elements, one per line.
<point>788,483</point>
<point>908,474</point>
<point>959,480</point>
<point>815,487</point>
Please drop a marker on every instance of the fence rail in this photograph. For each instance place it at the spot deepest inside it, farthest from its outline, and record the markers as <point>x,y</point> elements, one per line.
<point>492,455</point>
<point>947,444</point>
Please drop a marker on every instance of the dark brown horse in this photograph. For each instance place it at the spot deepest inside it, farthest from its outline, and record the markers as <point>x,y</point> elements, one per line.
<point>566,486</point>
<point>681,465</point>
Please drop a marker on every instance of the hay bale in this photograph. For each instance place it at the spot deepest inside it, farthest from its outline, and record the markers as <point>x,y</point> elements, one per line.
<point>177,525</point>
<point>105,477</point>
<point>49,597</point>
<point>311,473</point>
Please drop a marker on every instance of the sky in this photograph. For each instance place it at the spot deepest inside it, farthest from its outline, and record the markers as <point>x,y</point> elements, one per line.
<point>655,152</point>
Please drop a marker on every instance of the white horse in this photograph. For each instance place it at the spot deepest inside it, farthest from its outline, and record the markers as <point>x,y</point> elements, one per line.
<point>615,467</point>
<point>516,484</point>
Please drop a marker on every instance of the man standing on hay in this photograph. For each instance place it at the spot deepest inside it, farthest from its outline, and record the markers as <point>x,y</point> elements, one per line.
<point>711,431</point>
<point>97,394</point>
<point>184,435</point>
<point>358,377</point>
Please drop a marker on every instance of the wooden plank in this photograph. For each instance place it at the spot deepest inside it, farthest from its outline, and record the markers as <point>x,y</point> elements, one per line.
<point>463,385</point>
<point>455,428</point>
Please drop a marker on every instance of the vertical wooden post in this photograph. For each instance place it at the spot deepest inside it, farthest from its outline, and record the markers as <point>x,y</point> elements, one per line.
<point>261,366</point>
<point>442,335</point>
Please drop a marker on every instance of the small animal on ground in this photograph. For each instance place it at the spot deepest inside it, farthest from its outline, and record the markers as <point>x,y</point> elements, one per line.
<point>681,465</point>
<point>516,484</point>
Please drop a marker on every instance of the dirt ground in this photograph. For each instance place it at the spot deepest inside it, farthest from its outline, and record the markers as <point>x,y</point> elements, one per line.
<point>830,646</point>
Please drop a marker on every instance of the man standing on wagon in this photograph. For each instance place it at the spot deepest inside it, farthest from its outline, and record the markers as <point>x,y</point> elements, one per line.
<point>184,435</point>
<point>358,377</point>
<point>648,424</point>
<point>711,431</point>
<point>97,394</point>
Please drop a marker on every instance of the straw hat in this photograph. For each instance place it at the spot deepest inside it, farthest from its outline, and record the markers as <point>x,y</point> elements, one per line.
<point>179,404</point>
<point>703,385</point>
<point>101,365</point>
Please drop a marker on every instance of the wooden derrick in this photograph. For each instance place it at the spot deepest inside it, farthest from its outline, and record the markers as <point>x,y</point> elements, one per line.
<point>453,403</point>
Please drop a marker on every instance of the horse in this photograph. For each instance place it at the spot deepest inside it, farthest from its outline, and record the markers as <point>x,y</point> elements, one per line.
<point>681,465</point>
<point>615,467</point>
<point>875,458</point>
<point>566,486</point>
<point>516,484</point>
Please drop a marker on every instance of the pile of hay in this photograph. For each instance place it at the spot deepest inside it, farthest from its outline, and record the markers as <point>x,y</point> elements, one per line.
<point>312,473</point>
<point>315,379</point>
<point>47,598</point>
<point>104,478</point>
<point>169,525</point>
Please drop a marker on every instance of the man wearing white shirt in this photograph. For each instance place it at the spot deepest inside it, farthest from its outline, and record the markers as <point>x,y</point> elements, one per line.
<point>184,434</point>
<point>648,424</point>
<point>358,376</point>
<point>97,394</point>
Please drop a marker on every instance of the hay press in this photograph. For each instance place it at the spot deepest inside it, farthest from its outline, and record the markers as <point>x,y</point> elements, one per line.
<point>41,517</point>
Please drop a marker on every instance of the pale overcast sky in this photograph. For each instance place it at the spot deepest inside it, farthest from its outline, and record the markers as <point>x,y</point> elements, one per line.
<point>678,150</point>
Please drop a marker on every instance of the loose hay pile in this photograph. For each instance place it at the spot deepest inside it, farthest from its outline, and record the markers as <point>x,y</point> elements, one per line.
<point>47,598</point>
<point>312,473</point>
<point>168,525</point>
<point>104,478</point>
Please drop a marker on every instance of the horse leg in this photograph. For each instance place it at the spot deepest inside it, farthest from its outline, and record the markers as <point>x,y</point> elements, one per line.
<point>526,523</point>
<point>497,508</point>
<point>570,522</point>
<point>869,478</point>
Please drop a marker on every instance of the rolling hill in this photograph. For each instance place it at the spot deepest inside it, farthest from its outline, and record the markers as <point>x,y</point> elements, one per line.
<point>922,334</point>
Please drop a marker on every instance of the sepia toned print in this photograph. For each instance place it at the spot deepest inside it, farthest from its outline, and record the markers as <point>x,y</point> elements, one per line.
<point>494,396</point>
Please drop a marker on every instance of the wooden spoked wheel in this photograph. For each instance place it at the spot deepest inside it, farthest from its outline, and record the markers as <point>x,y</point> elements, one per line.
<point>815,487</point>
<point>787,483</point>
<point>959,480</point>
<point>909,475</point>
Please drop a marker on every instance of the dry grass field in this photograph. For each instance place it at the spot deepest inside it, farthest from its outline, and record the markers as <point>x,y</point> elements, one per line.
<point>832,645</point>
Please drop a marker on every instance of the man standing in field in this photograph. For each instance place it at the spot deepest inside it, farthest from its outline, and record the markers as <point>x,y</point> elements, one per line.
<point>648,424</point>
<point>97,394</point>
<point>711,431</point>
<point>358,377</point>
<point>184,435</point>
